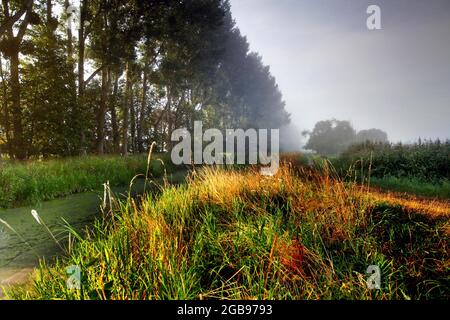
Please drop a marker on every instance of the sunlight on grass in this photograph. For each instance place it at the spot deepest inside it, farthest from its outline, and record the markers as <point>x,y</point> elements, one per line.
<point>235,234</point>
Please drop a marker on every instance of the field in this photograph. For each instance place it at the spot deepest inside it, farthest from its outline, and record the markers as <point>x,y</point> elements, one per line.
<point>234,234</point>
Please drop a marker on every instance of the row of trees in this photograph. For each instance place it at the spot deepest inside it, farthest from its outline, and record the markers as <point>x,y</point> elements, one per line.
<point>331,137</point>
<point>124,74</point>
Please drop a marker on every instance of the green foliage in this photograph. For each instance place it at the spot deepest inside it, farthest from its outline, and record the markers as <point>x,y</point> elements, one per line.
<point>25,183</point>
<point>49,98</point>
<point>371,135</point>
<point>427,161</point>
<point>412,237</point>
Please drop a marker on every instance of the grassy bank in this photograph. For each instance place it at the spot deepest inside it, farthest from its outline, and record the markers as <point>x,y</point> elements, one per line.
<point>30,182</point>
<point>240,235</point>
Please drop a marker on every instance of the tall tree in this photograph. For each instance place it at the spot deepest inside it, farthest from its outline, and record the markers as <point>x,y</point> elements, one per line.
<point>5,117</point>
<point>11,48</point>
<point>330,137</point>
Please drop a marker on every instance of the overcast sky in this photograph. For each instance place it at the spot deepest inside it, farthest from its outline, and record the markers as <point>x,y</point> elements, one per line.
<point>328,64</point>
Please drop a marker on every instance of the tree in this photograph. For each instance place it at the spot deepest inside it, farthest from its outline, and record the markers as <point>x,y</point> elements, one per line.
<point>371,135</point>
<point>5,132</point>
<point>10,20</point>
<point>10,47</point>
<point>330,137</point>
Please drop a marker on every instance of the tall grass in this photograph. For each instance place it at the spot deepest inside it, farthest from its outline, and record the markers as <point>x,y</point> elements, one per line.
<point>25,183</point>
<point>230,234</point>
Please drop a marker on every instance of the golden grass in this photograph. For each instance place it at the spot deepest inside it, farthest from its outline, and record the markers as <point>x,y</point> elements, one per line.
<point>329,201</point>
<point>328,198</point>
<point>432,207</point>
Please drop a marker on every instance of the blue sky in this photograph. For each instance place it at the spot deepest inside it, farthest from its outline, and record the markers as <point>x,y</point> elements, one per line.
<point>328,64</point>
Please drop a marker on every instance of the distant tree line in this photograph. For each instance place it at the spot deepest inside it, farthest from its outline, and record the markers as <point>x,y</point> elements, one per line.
<point>125,74</point>
<point>332,137</point>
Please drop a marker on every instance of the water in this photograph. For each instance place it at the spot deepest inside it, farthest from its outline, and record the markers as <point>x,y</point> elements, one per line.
<point>78,210</point>
<point>20,254</point>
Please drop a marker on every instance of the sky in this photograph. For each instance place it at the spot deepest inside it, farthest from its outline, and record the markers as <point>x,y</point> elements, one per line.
<point>328,64</point>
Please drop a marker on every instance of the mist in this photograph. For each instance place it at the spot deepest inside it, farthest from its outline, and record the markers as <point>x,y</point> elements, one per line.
<point>328,64</point>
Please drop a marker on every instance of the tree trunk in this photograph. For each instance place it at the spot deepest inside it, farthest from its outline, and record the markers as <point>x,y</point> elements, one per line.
<point>81,49</point>
<point>6,120</point>
<point>168,112</point>
<point>112,107</point>
<point>69,39</point>
<point>101,112</point>
<point>16,109</point>
<point>125,111</point>
<point>9,21</point>
<point>49,12</point>
<point>142,112</point>
<point>132,121</point>
<point>18,140</point>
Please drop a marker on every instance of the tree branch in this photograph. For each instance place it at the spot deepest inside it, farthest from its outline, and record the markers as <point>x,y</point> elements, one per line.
<point>94,74</point>
<point>24,24</point>
<point>10,22</point>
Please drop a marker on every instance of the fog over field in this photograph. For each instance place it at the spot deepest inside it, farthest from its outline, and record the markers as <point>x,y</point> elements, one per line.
<point>140,156</point>
<point>329,65</point>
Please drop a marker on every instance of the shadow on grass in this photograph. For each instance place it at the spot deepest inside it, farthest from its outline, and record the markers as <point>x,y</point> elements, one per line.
<point>418,245</point>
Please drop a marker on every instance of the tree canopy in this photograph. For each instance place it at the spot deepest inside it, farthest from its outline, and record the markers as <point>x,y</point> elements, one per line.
<point>124,74</point>
<point>331,137</point>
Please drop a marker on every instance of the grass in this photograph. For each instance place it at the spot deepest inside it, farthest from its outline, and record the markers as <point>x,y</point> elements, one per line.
<point>230,234</point>
<point>34,181</point>
<point>439,189</point>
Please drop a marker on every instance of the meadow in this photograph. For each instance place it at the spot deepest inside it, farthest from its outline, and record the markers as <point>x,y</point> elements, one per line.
<point>235,234</point>
<point>24,183</point>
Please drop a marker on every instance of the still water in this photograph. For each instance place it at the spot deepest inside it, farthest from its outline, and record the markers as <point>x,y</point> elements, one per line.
<point>20,251</point>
